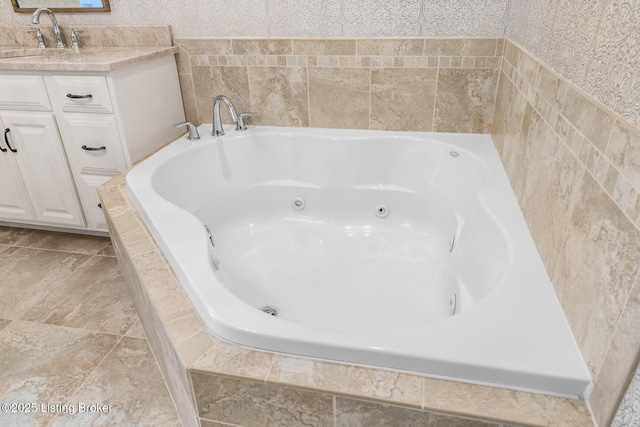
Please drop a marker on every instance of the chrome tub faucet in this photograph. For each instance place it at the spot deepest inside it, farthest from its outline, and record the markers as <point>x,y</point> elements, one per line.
<point>238,119</point>
<point>218,130</point>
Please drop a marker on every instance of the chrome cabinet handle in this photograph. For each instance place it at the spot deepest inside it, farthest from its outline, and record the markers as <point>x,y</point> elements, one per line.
<point>6,140</point>
<point>69,95</point>
<point>6,131</point>
<point>85,148</point>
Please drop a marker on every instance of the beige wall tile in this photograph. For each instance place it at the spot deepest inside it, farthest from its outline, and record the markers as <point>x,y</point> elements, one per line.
<point>189,98</point>
<point>620,362</point>
<point>324,47</point>
<point>356,413</point>
<point>363,382</point>
<point>209,82</point>
<point>392,47</point>
<point>460,47</point>
<point>514,156</point>
<point>339,98</point>
<point>205,46</point>
<point>465,100</point>
<point>257,404</point>
<point>551,87</point>
<point>624,151</point>
<point>528,67</point>
<point>262,47</point>
<point>183,61</point>
<point>596,270</point>
<point>279,96</point>
<point>513,407</point>
<point>590,119</point>
<point>552,178</point>
<point>508,114</point>
<point>511,52</point>
<point>234,360</point>
<point>403,99</point>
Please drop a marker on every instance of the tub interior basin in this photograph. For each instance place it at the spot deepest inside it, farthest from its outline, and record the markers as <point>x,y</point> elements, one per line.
<point>403,250</point>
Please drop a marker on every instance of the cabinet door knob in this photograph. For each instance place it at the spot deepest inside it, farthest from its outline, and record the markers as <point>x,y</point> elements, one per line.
<point>69,95</point>
<point>6,140</point>
<point>85,148</point>
<point>100,205</point>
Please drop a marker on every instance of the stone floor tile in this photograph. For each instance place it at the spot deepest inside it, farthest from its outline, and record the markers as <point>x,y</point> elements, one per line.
<point>67,242</point>
<point>93,297</point>
<point>29,274</point>
<point>44,365</point>
<point>129,383</point>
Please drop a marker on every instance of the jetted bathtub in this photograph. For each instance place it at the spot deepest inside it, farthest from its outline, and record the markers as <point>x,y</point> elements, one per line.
<point>403,250</point>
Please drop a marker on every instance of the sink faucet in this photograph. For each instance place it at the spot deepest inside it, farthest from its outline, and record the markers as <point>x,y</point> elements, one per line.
<point>218,130</point>
<point>35,19</point>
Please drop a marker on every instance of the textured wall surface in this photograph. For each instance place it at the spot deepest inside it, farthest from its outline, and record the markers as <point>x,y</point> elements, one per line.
<point>295,18</point>
<point>629,411</point>
<point>595,44</point>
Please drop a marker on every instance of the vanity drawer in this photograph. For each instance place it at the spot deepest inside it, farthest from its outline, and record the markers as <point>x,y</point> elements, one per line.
<point>91,203</point>
<point>93,143</point>
<point>80,94</point>
<point>23,93</point>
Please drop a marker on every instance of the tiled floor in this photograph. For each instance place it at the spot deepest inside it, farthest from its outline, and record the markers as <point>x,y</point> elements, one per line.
<point>70,337</point>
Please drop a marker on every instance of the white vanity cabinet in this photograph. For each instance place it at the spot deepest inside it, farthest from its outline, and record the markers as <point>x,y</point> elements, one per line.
<point>82,128</point>
<point>36,185</point>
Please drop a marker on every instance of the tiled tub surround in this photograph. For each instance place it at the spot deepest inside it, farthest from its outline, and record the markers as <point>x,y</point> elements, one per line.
<point>213,381</point>
<point>445,85</point>
<point>571,159</point>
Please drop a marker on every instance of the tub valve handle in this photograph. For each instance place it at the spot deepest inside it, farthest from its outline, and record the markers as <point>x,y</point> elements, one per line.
<point>193,131</point>
<point>240,123</point>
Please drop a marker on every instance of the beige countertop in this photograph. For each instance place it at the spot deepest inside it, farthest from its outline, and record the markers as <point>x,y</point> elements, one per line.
<point>84,59</point>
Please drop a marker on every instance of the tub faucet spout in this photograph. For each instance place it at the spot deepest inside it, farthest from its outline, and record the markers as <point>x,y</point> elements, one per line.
<point>35,19</point>
<point>218,130</point>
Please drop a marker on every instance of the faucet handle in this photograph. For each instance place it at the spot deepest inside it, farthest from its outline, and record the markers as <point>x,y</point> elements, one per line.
<point>193,130</point>
<point>240,123</point>
<point>39,37</point>
<point>74,37</point>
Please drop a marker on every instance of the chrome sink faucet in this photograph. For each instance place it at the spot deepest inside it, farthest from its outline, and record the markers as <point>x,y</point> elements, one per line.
<point>218,130</point>
<point>35,19</point>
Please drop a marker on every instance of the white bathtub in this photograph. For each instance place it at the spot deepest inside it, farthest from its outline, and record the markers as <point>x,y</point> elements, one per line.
<point>402,250</point>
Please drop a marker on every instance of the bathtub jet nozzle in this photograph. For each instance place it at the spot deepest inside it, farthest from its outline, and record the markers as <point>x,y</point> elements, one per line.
<point>270,309</point>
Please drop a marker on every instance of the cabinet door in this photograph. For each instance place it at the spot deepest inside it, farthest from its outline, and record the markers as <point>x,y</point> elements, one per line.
<point>14,201</point>
<point>43,166</point>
